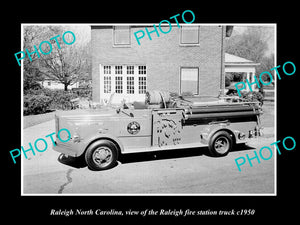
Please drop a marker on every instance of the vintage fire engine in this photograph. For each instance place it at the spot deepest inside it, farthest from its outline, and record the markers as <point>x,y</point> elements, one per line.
<point>161,123</point>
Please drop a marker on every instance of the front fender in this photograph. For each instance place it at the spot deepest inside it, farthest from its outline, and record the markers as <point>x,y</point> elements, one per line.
<point>96,137</point>
<point>211,129</point>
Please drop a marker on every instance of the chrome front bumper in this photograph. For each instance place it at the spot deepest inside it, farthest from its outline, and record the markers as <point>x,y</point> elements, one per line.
<point>65,149</point>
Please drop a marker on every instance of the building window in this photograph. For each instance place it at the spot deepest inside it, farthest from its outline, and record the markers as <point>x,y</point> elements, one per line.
<point>130,85</point>
<point>142,79</point>
<point>128,80</point>
<point>142,69</point>
<point>118,69</point>
<point>107,69</point>
<point>107,84</point>
<point>119,85</point>
<point>189,78</point>
<point>130,69</point>
<point>121,35</point>
<point>142,85</point>
<point>189,35</point>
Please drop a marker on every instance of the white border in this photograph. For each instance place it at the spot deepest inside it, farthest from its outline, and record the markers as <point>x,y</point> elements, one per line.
<point>22,103</point>
<point>151,24</point>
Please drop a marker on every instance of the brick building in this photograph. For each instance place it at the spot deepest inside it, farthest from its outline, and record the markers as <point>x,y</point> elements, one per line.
<point>187,59</point>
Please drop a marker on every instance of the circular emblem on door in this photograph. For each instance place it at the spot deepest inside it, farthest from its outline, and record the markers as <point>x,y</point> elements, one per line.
<point>133,127</point>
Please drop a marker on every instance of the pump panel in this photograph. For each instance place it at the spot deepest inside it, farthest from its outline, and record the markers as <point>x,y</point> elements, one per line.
<point>167,127</point>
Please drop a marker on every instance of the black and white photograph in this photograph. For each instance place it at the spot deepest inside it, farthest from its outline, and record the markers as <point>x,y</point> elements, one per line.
<point>177,114</point>
<point>146,117</point>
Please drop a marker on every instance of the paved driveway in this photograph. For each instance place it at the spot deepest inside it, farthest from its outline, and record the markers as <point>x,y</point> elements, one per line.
<point>188,171</point>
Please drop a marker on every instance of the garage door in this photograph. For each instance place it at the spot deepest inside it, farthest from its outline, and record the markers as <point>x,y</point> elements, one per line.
<point>127,82</point>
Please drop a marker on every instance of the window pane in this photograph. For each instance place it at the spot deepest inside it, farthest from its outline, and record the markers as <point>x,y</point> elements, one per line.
<point>107,69</point>
<point>142,85</point>
<point>118,69</point>
<point>121,35</point>
<point>130,69</point>
<point>130,85</point>
<point>189,80</point>
<point>142,69</point>
<point>119,85</point>
<point>189,35</point>
<point>107,84</point>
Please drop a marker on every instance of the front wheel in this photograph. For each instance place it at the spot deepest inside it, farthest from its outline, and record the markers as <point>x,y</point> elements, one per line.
<point>101,155</point>
<point>220,143</point>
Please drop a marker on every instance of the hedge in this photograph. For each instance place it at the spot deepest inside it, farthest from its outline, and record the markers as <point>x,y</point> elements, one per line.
<point>42,100</point>
<point>253,96</point>
<point>36,104</point>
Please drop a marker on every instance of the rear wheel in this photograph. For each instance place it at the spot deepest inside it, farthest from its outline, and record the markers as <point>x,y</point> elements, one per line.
<point>220,143</point>
<point>101,155</point>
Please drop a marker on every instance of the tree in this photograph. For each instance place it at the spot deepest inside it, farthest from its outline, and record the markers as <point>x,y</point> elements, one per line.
<point>266,64</point>
<point>62,64</point>
<point>252,44</point>
<point>66,64</point>
<point>31,72</point>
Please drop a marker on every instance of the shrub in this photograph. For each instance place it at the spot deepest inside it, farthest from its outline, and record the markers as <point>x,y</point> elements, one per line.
<point>36,104</point>
<point>83,92</point>
<point>61,99</point>
<point>40,100</point>
<point>228,79</point>
<point>253,97</point>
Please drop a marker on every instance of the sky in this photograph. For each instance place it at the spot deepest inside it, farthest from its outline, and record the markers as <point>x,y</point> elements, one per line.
<point>82,32</point>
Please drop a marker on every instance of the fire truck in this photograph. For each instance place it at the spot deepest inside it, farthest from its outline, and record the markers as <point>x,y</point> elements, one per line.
<point>162,123</point>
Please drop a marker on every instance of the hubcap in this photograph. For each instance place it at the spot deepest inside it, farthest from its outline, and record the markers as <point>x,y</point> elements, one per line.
<point>222,145</point>
<point>102,156</point>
